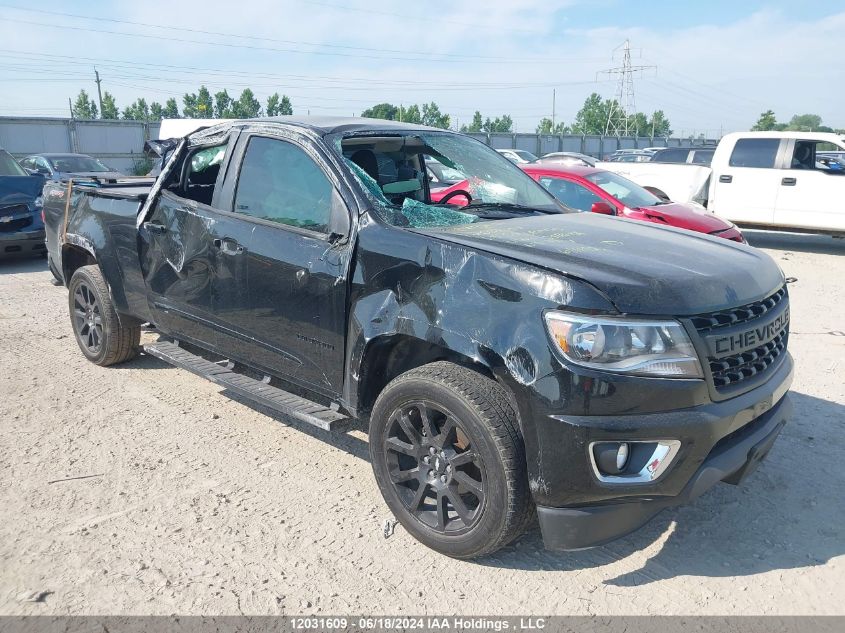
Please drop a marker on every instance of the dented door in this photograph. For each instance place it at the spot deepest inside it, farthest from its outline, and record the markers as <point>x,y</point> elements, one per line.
<point>178,262</point>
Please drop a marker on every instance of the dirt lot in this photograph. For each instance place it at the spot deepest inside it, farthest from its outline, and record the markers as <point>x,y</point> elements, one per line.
<point>141,489</point>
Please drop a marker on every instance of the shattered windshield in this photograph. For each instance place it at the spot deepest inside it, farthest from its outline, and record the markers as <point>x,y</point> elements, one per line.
<point>392,168</point>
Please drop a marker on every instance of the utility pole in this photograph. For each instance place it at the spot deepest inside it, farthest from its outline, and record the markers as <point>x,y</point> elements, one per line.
<point>99,91</point>
<point>625,105</point>
<point>553,110</point>
<point>70,105</point>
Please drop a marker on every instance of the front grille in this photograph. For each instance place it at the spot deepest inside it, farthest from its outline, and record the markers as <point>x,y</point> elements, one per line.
<point>18,223</point>
<point>729,371</point>
<point>725,318</point>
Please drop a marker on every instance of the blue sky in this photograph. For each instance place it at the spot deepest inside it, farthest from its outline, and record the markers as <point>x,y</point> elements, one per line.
<point>718,64</point>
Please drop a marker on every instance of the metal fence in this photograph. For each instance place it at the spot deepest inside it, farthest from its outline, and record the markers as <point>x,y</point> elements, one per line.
<point>591,145</point>
<point>120,144</point>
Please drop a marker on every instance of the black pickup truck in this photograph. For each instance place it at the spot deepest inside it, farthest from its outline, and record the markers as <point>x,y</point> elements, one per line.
<point>508,356</point>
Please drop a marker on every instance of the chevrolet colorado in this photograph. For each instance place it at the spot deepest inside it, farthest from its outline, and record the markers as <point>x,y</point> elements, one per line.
<point>509,358</point>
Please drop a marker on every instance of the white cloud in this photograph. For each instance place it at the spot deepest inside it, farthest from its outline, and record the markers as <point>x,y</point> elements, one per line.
<point>708,76</point>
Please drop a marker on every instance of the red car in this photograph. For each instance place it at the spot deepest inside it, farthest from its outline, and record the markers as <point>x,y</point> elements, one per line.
<point>599,191</point>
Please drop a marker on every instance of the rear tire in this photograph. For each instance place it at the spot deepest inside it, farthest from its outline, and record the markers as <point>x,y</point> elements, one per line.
<point>449,460</point>
<point>103,339</point>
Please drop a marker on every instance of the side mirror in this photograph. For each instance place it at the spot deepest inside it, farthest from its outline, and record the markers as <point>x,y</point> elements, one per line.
<point>603,207</point>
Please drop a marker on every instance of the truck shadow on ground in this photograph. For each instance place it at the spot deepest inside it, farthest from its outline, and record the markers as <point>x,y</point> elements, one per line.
<point>789,514</point>
<point>801,242</point>
<point>18,265</point>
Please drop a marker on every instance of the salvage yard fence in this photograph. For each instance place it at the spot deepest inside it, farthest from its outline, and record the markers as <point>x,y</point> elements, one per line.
<point>120,144</point>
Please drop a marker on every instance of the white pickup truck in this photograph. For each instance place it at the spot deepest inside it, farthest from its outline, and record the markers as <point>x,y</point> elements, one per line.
<point>766,180</point>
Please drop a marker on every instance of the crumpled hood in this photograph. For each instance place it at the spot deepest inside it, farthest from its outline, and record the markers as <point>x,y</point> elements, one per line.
<point>687,216</point>
<point>19,189</point>
<point>643,268</point>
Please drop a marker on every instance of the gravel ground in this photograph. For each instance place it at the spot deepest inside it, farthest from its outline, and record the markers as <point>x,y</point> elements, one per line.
<point>141,489</point>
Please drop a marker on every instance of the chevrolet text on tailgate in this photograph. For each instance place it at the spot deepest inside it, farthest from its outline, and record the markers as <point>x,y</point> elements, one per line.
<point>509,357</point>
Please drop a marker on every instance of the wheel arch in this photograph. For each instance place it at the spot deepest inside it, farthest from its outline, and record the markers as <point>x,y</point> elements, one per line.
<point>387,356</point>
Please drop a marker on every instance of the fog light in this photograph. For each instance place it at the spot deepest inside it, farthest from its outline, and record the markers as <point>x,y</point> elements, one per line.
<point>611,457</point>
<point>632,461</point>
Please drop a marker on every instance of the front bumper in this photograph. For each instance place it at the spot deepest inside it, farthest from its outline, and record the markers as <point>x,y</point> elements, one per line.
<point>589,526</point>
<point>22,243</point>
<point>720,441</point>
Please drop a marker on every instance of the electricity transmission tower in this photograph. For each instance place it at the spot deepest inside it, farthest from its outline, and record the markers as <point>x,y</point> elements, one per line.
<point>618,122</point>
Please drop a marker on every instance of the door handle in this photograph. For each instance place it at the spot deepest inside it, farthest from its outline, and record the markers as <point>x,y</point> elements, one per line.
<point>228,246</point>
<point>726,178</point>
<point>789,182</point>
<point>154,227</point>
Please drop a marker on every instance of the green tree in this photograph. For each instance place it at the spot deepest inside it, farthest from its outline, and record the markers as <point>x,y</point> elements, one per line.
<point>381,111</point>
<point>223,105</point>
<point>411,114</point>
<point>137,111</point>
<point>286,107</point>
<point>502,124</point>
<point>156,111</point>
<point>475,126</point>
<point>546,126</point>
<point>110,110</point>
<point>171,110</point>
<point>199,105</point>
<point>659,125</point>
<point>766,122</point>
<point>189,106</point>
<point>84,107</point>
<point>432,116</point>
<point>805,123</point>
<point>593,115</point>
<point>205,104</point>
<point>638,124</point>
<point>277,106</point>
<point>247,106</point>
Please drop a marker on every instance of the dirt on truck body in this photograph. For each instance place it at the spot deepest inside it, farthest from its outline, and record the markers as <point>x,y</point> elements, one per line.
<point>510,357</point>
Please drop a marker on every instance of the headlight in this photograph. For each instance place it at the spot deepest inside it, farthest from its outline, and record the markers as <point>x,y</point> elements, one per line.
<point>39,202</point>
<point>627,346</point>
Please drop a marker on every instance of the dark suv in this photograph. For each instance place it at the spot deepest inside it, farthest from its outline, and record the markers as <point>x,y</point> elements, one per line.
<point>507,357</point>
<point>21,227</point>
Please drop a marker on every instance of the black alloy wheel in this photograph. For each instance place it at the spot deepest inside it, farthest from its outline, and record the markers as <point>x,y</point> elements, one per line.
<point>434,468</point>
<point>87,318</point>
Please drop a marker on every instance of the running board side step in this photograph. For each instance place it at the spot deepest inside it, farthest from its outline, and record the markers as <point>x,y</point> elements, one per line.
<point>256,391</point>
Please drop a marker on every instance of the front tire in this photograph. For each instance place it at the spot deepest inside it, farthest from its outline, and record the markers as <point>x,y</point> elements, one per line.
<point>103,339</point>
<point>449,460</point>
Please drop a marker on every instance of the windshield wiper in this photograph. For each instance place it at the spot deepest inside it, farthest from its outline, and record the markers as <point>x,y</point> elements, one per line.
<point>510,206</point>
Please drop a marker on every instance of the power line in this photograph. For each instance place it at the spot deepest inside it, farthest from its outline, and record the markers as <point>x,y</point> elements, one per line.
<point>218,33</point>
<point>416,56</point>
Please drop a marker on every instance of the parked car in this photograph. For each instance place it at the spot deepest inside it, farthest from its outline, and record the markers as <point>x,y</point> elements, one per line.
<point>507,357</point>
<point>21,225</point>
<point>567,158</point>
<point>628,152</point>
<point>694,155</point>
<point>633,156</point>
<point>64,166</point>
<point>517,155</point>
<point>600,191</point>
<point>764,180</point>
